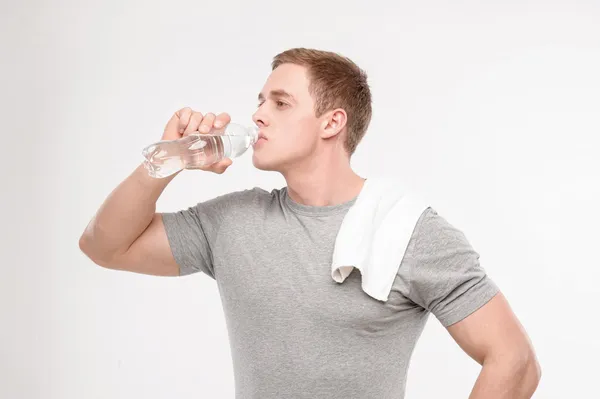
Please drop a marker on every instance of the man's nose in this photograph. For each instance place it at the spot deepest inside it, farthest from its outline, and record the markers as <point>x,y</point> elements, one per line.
<point>259,118</point>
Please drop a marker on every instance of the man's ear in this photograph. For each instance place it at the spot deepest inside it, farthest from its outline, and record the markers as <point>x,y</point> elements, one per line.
<point>333,123</point>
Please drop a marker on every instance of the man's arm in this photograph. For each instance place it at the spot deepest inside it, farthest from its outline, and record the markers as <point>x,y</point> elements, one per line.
<point>494,338</point>
<point>126,233</point>
<point>442,273</point>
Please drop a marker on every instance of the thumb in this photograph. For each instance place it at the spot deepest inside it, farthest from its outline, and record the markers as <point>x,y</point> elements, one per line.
<point>225,163</point>
<point>222,165</point>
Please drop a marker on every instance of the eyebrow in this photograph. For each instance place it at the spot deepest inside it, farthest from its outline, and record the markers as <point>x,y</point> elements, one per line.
<point>277,93</point>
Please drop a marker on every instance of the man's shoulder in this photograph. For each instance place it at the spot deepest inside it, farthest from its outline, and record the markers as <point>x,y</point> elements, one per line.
<point>435,232</point>
<point>243,199</point>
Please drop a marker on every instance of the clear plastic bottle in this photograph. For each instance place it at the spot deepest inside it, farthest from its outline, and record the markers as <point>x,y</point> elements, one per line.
<point>196,150</point>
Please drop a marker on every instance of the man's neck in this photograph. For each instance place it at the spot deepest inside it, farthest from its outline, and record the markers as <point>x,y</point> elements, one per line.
<point>324,184</point>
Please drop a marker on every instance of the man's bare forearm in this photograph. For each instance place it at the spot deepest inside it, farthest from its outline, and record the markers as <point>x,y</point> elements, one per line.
<point>123,216</point>
<point>504,379</point>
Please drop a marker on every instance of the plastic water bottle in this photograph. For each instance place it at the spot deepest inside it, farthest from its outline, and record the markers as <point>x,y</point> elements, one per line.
<point>196,150</point>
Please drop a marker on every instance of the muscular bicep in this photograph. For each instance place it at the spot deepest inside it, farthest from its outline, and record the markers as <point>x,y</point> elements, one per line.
<point>150,253</point>
<point>492,330</point>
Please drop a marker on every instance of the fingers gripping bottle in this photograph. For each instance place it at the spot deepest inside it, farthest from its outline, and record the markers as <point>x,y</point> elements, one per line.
<point>197,150</point>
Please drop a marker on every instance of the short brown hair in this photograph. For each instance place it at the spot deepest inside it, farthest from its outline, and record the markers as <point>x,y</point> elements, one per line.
<point>335,82</point>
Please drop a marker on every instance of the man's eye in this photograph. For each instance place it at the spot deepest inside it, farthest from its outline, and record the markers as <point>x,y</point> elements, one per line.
<point>278,103</point>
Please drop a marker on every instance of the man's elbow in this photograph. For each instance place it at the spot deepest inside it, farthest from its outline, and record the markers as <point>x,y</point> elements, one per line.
<point>518,368</point>
<point>533,372</point>
<point>94,254</point>
<point>527,370</point>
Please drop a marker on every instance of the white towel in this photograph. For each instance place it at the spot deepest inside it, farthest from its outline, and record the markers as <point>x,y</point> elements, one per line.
<point>375,233</point>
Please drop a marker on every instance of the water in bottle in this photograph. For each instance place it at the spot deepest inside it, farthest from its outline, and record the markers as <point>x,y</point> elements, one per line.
<point>198,150</point>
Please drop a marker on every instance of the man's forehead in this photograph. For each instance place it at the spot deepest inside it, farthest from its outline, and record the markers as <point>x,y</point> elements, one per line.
<point>287,78</point>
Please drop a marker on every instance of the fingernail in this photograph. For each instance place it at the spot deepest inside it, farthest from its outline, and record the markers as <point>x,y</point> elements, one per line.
<point>218,124</point>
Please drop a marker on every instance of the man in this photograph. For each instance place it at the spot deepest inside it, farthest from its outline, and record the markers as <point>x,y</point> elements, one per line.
<point>294,332</point>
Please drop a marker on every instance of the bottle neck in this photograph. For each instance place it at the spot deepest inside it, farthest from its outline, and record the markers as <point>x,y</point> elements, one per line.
<point>253,133</point>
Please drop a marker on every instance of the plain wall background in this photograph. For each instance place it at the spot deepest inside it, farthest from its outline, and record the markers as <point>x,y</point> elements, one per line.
<point>489,108</point>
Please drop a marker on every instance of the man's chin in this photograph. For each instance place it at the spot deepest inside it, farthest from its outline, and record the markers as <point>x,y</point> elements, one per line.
<point>261,165</point>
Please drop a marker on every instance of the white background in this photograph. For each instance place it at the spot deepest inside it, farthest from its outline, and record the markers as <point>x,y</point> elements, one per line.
<point>490,108</point>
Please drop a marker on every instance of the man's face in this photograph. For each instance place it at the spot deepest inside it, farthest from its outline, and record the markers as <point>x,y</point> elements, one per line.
<point>286,117</point>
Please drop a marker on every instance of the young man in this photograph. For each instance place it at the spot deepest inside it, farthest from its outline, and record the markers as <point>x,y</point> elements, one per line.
<point>294,332</point>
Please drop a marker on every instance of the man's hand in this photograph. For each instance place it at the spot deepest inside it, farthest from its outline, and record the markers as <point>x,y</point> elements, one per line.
<point>186,121</point>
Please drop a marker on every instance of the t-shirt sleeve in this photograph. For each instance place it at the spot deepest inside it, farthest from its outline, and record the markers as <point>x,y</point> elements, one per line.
<point>193,231</point>
<point>441,271</point>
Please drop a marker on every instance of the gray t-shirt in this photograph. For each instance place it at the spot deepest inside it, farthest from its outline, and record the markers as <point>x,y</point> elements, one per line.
<point>296,333</point>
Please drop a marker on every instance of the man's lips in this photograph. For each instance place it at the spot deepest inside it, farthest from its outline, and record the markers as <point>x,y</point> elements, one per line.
<point>261,138</point>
